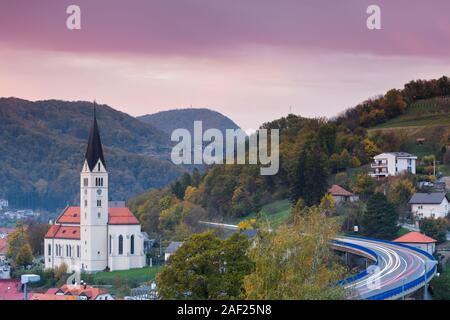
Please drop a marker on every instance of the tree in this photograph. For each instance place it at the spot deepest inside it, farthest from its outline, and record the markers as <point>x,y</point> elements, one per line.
<point>434,228</point>
<point>295,261</point>
<point>196,178</point>
<point>393,103</point>
<point>177,189</point>
<point>205,267</point>
<point>37,233</point>
<point>400,191</point>
<point>24,256</point>
<point>380,218</point>
<point>370,148</point>
<point>18,245</point>
<point>441,286</point>
<point>310,176</point>
<point>364,185</point>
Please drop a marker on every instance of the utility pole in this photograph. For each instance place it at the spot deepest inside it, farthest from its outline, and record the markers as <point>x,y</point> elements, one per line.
<point>434,166</point>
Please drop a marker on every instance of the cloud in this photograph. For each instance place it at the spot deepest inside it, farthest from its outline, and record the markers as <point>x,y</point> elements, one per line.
<point>216,28</point>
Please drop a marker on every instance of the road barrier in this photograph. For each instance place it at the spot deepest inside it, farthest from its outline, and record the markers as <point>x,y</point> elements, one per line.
<point>414,284</point>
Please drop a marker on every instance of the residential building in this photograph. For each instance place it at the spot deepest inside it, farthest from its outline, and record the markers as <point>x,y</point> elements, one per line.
<point>341,195</point>
<point>173,246</point>
<point>95,236</point>
<point>393,163</point>
<point>429,205</point>
<point>73,292</point>
<point>418,240</point>
<point>3,204</point>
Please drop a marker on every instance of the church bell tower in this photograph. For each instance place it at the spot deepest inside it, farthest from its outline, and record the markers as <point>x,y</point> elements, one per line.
<point>94,204</point>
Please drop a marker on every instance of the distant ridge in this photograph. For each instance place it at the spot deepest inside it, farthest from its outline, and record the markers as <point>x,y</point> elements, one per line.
<point>170,120</point>
<point>43,143</point>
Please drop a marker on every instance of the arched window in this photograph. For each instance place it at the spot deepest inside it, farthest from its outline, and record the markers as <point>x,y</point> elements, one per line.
<point>49,249</point>
<point>132,244</point>
<point>110,244</point>
<point>120,244</point>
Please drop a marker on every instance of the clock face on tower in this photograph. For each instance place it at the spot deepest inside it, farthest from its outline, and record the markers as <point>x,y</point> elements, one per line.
<point>99,191</point>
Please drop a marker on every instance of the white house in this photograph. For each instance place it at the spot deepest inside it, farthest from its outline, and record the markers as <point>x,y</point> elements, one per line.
<point>95,236</point>
<point>3,204</point>
<point>393,163</point>
<point>418,240</point>
<point>429,205</point>
<point>173,246</point>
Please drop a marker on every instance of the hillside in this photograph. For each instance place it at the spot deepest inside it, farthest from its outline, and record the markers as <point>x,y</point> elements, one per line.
<point>425,119</point>
<point>168,121</point>
<point>427,112</point>
<point>42,146</point>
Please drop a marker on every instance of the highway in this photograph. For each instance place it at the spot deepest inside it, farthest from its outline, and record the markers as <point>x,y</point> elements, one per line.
<point>396,270</point>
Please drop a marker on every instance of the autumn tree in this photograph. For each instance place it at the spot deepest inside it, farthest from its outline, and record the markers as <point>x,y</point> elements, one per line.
<point>19,249</point>
<point>364,185</point>
<point>24,256</point>
<point>393,103</point>
<point>401,190</point>
<point>206,267</point>
<point>295,261</point>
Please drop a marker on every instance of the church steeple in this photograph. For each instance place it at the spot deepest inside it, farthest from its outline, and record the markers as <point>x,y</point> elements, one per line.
<point>94,151</point>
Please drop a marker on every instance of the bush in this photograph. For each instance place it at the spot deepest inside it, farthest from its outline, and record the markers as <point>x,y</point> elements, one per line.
<point>434,228</point>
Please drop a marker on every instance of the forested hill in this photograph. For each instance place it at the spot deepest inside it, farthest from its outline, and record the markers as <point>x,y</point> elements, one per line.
<point>314,153</point>
<point>42,145</point>
<point>168,121</point>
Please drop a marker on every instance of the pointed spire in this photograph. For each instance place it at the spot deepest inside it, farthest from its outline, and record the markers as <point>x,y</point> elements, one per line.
<point>94,150</point>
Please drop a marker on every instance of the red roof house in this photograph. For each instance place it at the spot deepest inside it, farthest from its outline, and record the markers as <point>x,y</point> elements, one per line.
<point>10,289</point>
<point>341,195</point>
<point>418,240</point>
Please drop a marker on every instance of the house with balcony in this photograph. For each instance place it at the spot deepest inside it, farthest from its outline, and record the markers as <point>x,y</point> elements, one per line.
<point>393,163</point>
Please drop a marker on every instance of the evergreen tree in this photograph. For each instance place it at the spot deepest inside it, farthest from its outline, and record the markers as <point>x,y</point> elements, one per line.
<point>380,218</point>
<point>311,175</point>
<point>196,178</point>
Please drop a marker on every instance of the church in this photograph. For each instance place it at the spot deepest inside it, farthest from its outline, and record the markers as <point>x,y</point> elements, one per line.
<point>98,235</point>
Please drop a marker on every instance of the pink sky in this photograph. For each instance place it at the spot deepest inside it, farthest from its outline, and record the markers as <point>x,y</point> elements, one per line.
<point>252,60</point>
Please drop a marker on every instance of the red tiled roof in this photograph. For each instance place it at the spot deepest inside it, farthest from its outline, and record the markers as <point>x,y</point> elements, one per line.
<point>90,292</point>
<point>63,232</point>
<point>415,237</point>
<point>70,215</point>
<point>337,190</point>
<point>52,291</point>
<point>52,231</point>
<point>121,216</point>
<point>46,296</point>
<point>3,245</point>
<point>116,216</point>
<point>10,290</point>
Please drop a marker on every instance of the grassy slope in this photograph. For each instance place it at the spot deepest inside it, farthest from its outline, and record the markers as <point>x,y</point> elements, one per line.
<point>424,119</point>
<point>429,112</point>
<point>275,213</point>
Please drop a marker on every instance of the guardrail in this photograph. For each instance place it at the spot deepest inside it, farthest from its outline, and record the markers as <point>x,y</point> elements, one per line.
<point>396,291</point>
<point>360,248</point>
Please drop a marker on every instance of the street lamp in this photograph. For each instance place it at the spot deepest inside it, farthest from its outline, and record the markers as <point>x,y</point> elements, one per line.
<point>25,279</point>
